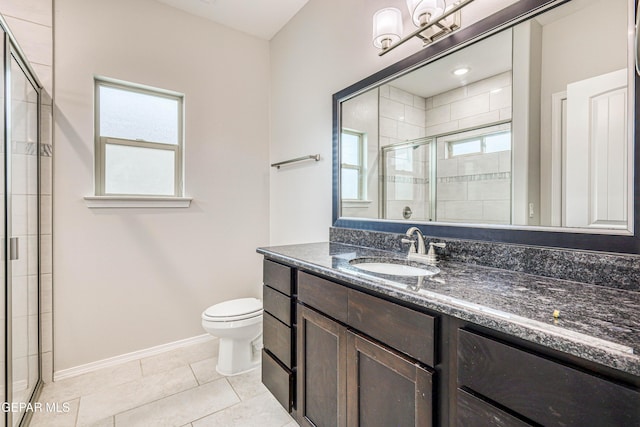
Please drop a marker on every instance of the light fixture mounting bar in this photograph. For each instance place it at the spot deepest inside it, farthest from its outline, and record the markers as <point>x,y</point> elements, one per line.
<point>456,7</point>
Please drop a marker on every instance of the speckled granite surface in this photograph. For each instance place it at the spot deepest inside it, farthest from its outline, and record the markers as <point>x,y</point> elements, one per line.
<point>597,268</point>
<point>596,323</point>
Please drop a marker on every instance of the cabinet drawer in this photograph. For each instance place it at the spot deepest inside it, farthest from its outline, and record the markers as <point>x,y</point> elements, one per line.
<point>471,412</point>
<point>540,389</point>
<point>328,297</point>
<point>277,339</point>
<point>277,304</point>
<point>277,276</point>
<point>406,330</point>
<point>278,379</point>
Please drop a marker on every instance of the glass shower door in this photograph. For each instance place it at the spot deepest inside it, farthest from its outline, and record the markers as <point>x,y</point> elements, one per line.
<point>23,248</point>
<point>3,235</point>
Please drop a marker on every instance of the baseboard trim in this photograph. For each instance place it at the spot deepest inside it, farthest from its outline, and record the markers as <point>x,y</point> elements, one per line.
<point>128,357</point>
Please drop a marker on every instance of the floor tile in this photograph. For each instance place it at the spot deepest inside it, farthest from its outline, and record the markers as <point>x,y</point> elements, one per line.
<point>71,388</point>
<point>113,400</point>
<point>257,411</point>
<point>248,385</point>
<point>181,408</point>
<point>205,370</point>
<point>179,357</point>
<point>56,419</point>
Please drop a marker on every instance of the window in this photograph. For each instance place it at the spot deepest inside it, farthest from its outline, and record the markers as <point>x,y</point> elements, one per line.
<point>138,141</point>
<point>352,171</point>
<point>490,143</point>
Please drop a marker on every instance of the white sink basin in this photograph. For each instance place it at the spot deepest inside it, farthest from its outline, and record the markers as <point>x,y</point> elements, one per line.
<point>395,269</point>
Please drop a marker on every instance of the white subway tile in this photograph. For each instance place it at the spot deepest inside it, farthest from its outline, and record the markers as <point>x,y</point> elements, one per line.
<point>400,95</point>
<point>452,191</point>
<point>470,106</point>
<point>392,109</point>
<point>491,83</point>
<point>505,161</point>
<point>442,128</point>
<point>480,120</point>
<point>38,11</point>
<point>438,115</point>
<point>414,116</point>
<point>494,189</point>
<point>497,211</point>
<point>500,100</point>
<point>449,96</point>
<point>480,164</point>
<point>35,40</point>
<point>388,128</point>
<point>419,102</point>
<point>408,132</point>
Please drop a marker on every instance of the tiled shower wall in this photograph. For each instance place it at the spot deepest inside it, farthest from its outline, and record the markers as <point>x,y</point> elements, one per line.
<point>31,22</point>
<point>402,118</point>
<point>466,186</point>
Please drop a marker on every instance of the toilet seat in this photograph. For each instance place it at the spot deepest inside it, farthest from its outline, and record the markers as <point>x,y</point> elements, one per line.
<point>233,310</point>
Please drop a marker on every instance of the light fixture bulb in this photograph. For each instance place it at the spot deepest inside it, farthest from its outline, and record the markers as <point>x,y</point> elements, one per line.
<point>461,71</point>
<point>387,27</point>
<point>425,11</point>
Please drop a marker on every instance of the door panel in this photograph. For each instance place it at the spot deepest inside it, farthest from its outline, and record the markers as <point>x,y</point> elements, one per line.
<point>23,221</point>
<point>597,152</point>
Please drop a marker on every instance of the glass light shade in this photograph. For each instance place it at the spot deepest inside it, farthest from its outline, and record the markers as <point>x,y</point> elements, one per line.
<point>387,27</point>
<point>424,11</point>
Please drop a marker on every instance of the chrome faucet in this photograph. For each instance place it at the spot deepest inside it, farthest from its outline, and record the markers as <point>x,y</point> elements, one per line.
<point>412,249</point>
<point>421,254</point>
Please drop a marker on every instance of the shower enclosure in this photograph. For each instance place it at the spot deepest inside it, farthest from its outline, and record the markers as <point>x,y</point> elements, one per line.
<point>20,232</point>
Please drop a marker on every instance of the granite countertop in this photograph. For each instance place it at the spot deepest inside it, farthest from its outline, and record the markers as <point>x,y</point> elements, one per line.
<point>596,323</point>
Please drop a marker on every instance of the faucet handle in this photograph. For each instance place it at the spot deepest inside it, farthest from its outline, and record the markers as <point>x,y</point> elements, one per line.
<point>431,255</point>
<point>412,248</point>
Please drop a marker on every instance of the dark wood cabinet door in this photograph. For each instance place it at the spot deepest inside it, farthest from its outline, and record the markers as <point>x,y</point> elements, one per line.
<point>321,399</point>
<point>472,412</point>
<point>385,388</point>
<point>542,390</point>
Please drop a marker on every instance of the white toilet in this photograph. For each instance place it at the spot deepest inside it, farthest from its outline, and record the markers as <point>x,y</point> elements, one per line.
<point>238,324</point>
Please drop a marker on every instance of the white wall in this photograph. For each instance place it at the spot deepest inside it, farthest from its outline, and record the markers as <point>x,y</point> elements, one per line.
<point>323,49</point>
<point>129,279</point>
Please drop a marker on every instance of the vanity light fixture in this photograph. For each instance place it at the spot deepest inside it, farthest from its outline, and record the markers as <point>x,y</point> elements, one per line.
<point>434,19</point>
<point>387,27</point>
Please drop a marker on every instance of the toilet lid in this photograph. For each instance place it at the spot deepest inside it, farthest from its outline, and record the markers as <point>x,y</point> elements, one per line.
<point>242,307</point>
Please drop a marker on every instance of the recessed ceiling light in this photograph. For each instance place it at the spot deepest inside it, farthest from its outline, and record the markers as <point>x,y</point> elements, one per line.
<point>461,71</point>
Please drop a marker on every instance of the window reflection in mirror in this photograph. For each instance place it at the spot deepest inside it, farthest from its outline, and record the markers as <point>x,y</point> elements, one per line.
<point>535,133</point>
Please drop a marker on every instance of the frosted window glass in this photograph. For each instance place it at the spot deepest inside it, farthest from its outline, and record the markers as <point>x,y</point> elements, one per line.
<point>350,184</point>
<point>466,147</point>
<point>404,159</point>
<point>350,149</point>
<point>138,170</point>
<point>498,142</point>
<point>133,115</point>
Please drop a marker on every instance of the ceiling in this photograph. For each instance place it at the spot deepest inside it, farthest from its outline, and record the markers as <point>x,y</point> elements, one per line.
<point>260,18</point>
<point>486,58</point>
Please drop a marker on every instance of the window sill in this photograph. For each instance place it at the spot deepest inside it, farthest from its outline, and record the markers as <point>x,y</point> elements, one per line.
<point>136,202</point>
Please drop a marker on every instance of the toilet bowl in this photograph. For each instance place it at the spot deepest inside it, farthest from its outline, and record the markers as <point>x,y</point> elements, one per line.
<point>238,325</point>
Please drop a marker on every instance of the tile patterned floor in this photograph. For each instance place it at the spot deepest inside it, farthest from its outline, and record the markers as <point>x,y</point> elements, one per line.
<point>177,388</point>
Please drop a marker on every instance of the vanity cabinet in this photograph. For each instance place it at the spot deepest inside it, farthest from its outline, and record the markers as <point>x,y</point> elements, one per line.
<point>336,356</point>
<point>536,388</point>
<point>348,378</point>
<point>278,358</point>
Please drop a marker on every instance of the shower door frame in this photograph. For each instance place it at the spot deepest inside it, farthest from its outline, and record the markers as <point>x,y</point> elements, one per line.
<point>13,50</point>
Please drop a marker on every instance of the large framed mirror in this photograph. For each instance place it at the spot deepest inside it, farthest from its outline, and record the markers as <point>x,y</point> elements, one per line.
<point>518,128</point>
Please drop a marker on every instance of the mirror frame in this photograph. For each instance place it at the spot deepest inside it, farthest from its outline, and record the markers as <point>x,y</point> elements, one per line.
<point>507,17</point>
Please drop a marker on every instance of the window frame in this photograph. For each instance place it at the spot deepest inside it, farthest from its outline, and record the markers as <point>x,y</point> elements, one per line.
<point>483,144</point>
<point>360,167</point>
<point>102,141</point>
